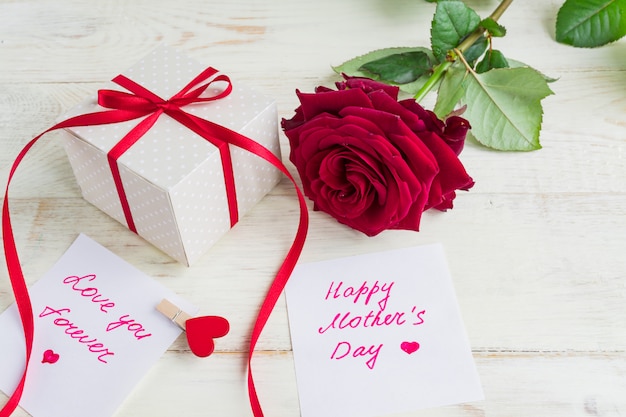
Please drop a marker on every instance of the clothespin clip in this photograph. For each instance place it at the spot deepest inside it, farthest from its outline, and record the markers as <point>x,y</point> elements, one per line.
<point>200,330</point>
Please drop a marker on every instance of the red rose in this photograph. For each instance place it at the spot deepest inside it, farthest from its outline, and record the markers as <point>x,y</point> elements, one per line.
<point>374,162</point>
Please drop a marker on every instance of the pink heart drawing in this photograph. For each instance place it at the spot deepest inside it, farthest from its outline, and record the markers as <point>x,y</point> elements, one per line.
<point>409,347</point>
<point>50,357</point>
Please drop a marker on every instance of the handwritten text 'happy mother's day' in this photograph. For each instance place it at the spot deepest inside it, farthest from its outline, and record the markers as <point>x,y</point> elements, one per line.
<point>61,317</point>
<point>371,301</point>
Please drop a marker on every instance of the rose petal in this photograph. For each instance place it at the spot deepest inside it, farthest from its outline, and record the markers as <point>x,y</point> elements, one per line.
<point>452,173</point>
<point>331,102</point>
<point>384,103</point>
<point>455,132</point>
<point>416,153</point>
<point>431,121</point>
<point>368,85</point>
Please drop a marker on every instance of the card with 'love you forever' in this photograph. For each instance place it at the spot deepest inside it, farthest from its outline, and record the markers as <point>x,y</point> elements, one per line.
<point>96,333</point>
<point>378,334</point>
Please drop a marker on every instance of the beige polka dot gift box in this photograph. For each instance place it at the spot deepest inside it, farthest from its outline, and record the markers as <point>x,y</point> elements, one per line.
<point>176,186</point>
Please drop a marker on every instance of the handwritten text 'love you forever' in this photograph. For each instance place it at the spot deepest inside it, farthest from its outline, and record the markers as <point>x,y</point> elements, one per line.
<point>83,286</point>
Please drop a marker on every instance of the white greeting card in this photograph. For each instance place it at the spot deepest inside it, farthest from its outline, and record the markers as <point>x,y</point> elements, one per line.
<point>379,334</point>
<point>97,332</point>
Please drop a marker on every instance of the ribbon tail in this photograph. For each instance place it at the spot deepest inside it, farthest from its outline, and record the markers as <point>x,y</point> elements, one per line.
<point>18,284</point>
<point>196,124</point>
<point>16,275</point>
<point>277,287</point>
<point>289,262</point>
<point>117,151</point>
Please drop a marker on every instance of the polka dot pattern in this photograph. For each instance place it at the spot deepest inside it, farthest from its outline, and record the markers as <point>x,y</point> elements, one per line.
<point>173,178</point>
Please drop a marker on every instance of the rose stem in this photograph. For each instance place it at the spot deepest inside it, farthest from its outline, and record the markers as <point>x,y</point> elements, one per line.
<point>441,69</point>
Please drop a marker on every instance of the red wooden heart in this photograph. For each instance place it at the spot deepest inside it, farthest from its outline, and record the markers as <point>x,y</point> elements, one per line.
<point>202,330</point>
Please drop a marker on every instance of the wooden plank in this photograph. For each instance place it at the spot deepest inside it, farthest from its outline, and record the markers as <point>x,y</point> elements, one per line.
<point>515,384</point>
<point>532,272</point>
<point>591,135</point>
<point>116,34</point>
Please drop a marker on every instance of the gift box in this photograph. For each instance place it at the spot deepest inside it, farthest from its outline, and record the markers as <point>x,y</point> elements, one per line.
<point>176,183</point>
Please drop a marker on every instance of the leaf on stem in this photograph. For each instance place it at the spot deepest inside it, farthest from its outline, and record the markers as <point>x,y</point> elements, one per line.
<point>591,23</point>
<point>493,59</point>
<point>452,22</point>
<point>352,66</point>
<point>504,107</point>
<point>513,63</point>
<point>400,68</point>
<point>494,28</point>
<point>476,50</point>
<point>451,90</point>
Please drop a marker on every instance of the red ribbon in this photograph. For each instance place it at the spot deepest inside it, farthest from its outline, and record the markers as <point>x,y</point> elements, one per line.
<point>127,107</point>
<point>145,103</point>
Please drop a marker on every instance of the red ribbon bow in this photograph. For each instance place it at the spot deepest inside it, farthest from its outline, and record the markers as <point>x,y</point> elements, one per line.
<point>127,107</point>
<point>145,103</point>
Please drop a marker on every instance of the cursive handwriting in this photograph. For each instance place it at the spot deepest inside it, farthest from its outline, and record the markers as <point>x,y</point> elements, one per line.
<point>93,293</point>
<point>350,320</point>
<point>371,319</point>
<point>376,296</point>
<point>336,291</point>
<point>131,325</point>
<point>420,319</point>
<point>343,349</point>
<point>76,333</point>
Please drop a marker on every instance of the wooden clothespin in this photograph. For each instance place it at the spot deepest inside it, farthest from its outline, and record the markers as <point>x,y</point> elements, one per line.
<point>200,330</point>
<point>172,312</point>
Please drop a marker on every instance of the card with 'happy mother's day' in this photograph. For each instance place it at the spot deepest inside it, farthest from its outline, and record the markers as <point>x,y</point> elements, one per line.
<point>378,334</point>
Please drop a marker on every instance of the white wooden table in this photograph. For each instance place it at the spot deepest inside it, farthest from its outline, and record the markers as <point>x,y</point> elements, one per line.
<point>536,249</point>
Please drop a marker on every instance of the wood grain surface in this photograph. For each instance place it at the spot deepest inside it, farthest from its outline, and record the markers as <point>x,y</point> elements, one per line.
<point>536,248</point>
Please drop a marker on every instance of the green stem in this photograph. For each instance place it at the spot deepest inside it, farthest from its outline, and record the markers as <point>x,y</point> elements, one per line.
<point>475,35</point>
<point>441,69</point>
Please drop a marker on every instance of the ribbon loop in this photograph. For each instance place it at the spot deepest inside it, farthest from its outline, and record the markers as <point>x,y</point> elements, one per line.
<point>119,100</point>
<point>142,100</point>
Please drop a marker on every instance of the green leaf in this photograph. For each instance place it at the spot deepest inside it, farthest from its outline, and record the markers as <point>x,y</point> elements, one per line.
<point>451,90</point>
<point>351,67</point>
<point>476,50</point>
<point>452,22</point>
<point>504,107</point>
<point>494,28</point>
<point>513,63</point>
<point>591,23</point>
<point>400,68</point>
<point>493,59</point>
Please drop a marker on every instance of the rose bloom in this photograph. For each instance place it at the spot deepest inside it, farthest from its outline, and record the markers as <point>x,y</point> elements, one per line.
<point>371,161</point>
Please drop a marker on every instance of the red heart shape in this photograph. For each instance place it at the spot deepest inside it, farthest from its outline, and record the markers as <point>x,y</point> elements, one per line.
<point>202,330</point>
<point>50,357</point>
<point>409,347</point>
